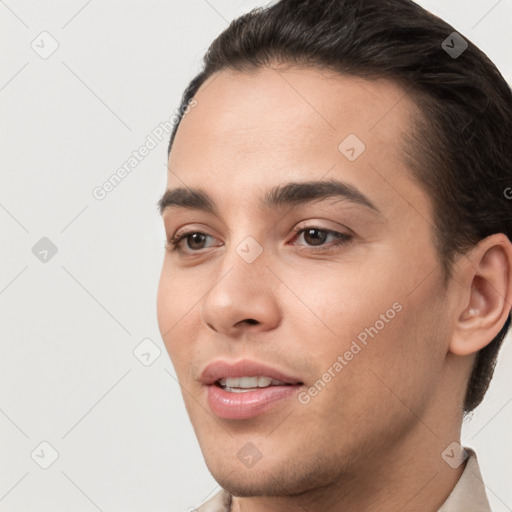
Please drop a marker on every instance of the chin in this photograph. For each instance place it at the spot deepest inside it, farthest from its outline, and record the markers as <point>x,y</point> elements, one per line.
<point>280,478</point>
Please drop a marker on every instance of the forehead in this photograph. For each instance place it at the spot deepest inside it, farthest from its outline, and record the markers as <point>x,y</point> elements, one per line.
<point>276,125</point>
<point>271,106</point>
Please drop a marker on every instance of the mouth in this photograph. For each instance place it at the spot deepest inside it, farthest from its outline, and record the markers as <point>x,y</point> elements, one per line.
<point>245,389</point>
<point>246,384</point>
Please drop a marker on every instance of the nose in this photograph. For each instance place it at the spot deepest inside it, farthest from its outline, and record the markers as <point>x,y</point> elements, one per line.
<point>243,296</point>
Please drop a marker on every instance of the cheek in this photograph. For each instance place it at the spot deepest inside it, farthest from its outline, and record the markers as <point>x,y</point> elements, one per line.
<point>338,300</point>
<point>178,313</point>
<point>386,331</point>
<point>403,359</point>
<point>174,308</point>
<point>377,382</point>
<point>178,291</point>
<point>165,303</point>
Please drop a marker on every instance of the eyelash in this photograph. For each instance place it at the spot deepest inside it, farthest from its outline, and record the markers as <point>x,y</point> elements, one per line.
<point>343,239</point>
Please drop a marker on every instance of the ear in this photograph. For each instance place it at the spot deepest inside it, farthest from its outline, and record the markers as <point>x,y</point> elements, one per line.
<point>485,274</point>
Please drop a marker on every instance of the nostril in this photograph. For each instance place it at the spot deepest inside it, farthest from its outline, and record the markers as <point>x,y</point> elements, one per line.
<point>251,321</point>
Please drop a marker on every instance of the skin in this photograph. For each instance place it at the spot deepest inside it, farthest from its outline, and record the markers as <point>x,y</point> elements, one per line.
<point>372,438</point>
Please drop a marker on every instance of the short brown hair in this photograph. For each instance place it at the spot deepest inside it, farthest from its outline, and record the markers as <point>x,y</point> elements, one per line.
<point>461,148</point>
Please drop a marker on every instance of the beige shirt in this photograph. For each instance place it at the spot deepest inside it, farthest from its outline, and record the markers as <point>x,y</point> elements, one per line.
<point>467,496</point>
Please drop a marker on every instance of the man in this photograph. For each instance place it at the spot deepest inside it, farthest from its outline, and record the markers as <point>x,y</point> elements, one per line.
<point>338,278</point>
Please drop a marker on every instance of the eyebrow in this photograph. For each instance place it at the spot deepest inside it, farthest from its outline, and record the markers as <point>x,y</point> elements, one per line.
<point>292,194</point>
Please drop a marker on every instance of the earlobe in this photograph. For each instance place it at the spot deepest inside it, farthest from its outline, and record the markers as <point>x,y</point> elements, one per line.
<point>486,273</point>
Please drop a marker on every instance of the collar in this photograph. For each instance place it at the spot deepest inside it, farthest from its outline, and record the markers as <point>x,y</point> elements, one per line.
<point>468,495</point>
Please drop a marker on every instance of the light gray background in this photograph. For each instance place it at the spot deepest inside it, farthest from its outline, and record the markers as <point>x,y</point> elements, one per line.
<point>69,376</point>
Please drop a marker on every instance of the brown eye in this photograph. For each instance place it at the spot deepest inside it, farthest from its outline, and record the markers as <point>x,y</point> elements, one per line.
<point>316,237</point>
<point>194,241</point>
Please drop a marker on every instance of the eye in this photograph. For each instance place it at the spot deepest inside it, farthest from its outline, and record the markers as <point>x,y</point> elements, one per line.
<point>317,237</point>
<point>312,234</point>
<point>197,237</point>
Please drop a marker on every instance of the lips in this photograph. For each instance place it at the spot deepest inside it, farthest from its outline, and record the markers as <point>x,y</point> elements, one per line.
<point>245,368</point>
<point>244,404</point>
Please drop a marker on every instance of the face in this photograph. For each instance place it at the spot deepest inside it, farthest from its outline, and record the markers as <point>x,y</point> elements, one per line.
<point>352,306</point>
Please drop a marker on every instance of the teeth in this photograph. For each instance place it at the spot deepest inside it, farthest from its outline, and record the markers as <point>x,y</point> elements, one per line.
<point>249,382</point>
